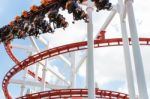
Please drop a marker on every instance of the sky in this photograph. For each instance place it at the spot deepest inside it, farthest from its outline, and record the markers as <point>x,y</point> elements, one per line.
<point>109,65</point>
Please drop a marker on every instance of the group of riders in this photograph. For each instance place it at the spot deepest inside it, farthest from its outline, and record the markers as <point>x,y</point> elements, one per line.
<point>33,22</point>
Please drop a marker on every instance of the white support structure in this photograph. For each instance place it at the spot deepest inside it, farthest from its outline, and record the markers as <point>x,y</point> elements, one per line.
<point>41,39</point>
<point>36,71</point>
<point>36,84</point>
<point>23,84</point>
<point>90,57</point>
<point>103,27</point>
<point>73,68</point>
<point>127,56</point>
<point>143,94</point>
<point>65,60</point>
<point>57,74</point>
<point>24,77</point>
<point>22,47</point>
<point>44,71</point>
<point>34,44</point>
<point>108,20</point>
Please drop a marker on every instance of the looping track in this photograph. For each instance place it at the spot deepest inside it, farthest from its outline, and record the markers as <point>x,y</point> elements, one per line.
<point>54,52</point>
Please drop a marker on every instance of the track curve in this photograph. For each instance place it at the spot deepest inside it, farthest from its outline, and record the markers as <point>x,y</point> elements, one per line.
<point>143,41</point>
<point>60,50</point>
<point>69,93</point>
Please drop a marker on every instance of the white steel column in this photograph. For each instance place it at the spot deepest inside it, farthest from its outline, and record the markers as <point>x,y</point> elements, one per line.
<point>129,71</point>
<point>23,85</point>
<point>136,52</point>
<point>44,75</point>
<point>90,59</point>
<point>103,27</point>
<point>37,72</point>
<point>73,68</point>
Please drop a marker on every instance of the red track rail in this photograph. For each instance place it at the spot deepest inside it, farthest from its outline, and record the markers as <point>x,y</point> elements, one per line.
<point>106,42</point>
<point>57,51</point>
<point>12,56</point>
<point>69,93</point>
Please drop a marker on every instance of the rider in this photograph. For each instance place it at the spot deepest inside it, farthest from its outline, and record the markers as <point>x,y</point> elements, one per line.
<point>26,23</point>
<point>57,19</point>
<point>20,27</point>
<point>102,4</point>
<point>77,11</point>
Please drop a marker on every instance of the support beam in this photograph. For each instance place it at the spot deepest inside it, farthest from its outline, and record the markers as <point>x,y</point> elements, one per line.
<point>90,59</point>
<point>143,94</point>
<point>22,47</point>
<point>24,79</point>
<point>44,71</point>
<point>103,27</point>
<point>108,20</point>
<point>127,56</point>
<point>57,74</point>
<point>43,41</point>
<point>36,84</point>
<point>34,44</point>
<point>65,60</point>
<point>38,50</point>
<point>73,74</point>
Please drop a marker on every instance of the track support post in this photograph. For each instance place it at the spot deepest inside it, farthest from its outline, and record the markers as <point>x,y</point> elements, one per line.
<point>90,59</point>
<point>127,56</point>
<point>143,94</point>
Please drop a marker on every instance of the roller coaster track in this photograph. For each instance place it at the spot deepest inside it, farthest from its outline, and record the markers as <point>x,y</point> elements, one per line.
<point>68,93</point>
<point>54,52</point>
<point>62,93</point>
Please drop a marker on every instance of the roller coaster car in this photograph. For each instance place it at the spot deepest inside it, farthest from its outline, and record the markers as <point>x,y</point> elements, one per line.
<point>60,21</point>
<point>44,26</point>
<point>34,8</point>
<point>11,23</point>
<point>17,18</point>
<point>35,32</point>
<point>79,14</point>
<point>6,34</point>
<point>31,30</point>
<point>52,14</point>
<point>41,24</point>
<point>102,4</point>
<point>71,5</point>
<point>46,2</point>
<point>18,22</point>
<point>9,37</point>
<point>26,26</point>
<point>25,15</point>
<point>1,31</point>
<point>21,34</point>
<point>80,1</point>
<point>63,3</point>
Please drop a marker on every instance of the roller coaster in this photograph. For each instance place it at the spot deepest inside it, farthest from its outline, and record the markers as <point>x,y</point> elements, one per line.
<point>32,24</point>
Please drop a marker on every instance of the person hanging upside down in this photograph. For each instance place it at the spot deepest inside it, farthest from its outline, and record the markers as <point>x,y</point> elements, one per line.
<point>102,4</point>
<point>77,11</point>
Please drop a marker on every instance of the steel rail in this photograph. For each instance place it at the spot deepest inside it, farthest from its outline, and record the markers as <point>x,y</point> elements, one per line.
<point>57,51</point>
<point>69,93</point>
